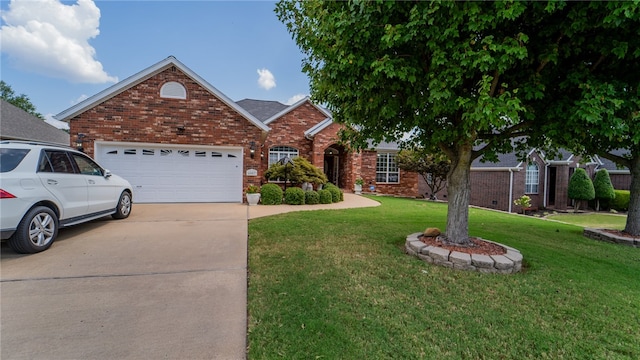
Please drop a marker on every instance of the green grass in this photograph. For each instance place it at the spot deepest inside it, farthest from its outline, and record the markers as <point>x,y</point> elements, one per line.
<point>335,284</point>
<point>592,220</point>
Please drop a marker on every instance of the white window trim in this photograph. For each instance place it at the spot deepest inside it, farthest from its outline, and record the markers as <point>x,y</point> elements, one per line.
<point>532,179</point>
<point>387,171</point>
<point>292,153</point>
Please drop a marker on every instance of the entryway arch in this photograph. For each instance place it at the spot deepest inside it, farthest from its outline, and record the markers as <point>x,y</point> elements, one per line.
<point>334,164</point>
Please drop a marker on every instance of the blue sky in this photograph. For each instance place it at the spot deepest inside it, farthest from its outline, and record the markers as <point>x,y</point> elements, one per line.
<point>59,53</point>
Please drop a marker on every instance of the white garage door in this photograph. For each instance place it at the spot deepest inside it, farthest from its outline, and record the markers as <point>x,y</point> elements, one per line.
<point>172,173</point>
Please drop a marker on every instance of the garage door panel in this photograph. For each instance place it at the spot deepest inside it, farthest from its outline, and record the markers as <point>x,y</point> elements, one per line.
<point>160,173</point>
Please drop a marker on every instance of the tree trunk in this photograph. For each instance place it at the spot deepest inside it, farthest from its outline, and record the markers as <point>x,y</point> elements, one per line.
<point>633,215</point>
<point>459,194</point>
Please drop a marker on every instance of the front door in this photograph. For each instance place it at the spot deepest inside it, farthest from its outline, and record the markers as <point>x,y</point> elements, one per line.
<point>332,165</point>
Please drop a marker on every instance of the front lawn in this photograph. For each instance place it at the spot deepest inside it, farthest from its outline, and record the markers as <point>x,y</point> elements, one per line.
<point>335,284</point>
<point>592,220</point>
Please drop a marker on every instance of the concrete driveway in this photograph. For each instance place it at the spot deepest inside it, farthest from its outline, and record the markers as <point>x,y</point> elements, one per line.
<point>169,282</point>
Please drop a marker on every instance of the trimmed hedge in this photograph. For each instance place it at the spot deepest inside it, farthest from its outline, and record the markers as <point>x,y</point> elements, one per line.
<point>336,193</point>
<point>271,194</point>
<point>325,196</point>
<point>311,197</point>
<point>621,201</point>
<point>294,196</point>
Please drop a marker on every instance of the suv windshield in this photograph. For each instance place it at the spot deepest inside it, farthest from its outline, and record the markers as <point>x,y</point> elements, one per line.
<point>10,158</point>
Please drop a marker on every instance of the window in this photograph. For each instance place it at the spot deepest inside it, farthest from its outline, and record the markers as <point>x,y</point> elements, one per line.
<point>56,161</point>
<point>387,169</point>
<point>531,179</point>
<point>86,165</point>
<point>278,152</point>
<point>173,90</point>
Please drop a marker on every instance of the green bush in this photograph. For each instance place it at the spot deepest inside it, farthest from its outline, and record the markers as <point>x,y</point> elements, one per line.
<point>271,194</point>
<point>311,197</point>
<point>604,189</point>
<point>294,196</point>
<point>336,193</point>
<point>581,186</point>
<point>621,201</point>
<point>325,196</point>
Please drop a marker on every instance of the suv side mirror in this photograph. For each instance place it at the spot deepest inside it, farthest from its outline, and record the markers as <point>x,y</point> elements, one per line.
<point>107,174</point>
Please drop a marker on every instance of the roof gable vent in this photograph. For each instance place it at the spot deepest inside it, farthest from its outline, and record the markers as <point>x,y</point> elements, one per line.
<point>173,90</point>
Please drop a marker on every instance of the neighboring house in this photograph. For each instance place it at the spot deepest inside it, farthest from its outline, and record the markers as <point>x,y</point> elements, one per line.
<point>620,177</point>
<point>545,180</point>
<point>17,124</point>
<point>177,138</point>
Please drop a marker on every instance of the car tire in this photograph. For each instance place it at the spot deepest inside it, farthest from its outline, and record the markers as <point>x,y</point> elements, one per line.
<point>123,209</point>
<point>36,232</point>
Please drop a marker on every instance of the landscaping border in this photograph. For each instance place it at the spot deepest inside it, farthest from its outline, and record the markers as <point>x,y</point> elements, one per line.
<point>600,235</point>
<point>509,263</point>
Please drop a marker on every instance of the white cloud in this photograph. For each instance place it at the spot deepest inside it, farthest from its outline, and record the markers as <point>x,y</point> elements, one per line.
<point>50,38</point>
<point>266,80</point>
<point>56,123</point>
<point>295,98</point>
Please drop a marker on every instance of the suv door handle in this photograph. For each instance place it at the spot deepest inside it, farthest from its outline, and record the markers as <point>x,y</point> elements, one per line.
<point>91,182</point>
<point>52,182</point>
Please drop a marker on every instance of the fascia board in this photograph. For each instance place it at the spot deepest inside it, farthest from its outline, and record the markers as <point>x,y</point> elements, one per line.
<point>517,168</point>
<point>313,131</point>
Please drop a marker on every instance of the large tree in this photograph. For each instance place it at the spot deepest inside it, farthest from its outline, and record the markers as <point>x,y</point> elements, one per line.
<point>22,101</point>
<point>458,76</point>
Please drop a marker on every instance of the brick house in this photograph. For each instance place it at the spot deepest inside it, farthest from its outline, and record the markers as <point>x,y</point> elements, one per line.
<point>545,180</point>
<point>177,138</point>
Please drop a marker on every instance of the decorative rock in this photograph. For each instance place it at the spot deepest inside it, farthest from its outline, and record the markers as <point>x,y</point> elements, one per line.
<point>432,232</point>
<point>481,261</point>
<point>502,262</point>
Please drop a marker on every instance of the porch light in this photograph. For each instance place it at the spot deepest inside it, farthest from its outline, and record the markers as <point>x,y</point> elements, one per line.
<point>252,149</point>
<point>80,142</point>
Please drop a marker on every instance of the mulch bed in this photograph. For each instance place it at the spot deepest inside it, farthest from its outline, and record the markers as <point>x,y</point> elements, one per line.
<point>478,246</point>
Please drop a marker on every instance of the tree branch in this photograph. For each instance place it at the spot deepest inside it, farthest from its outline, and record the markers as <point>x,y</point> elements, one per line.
<point>593,68</point>
<point>619,160</point>
<point>494,83</point>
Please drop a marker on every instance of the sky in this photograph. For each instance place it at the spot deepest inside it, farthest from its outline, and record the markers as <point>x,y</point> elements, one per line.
<point>59,53</point>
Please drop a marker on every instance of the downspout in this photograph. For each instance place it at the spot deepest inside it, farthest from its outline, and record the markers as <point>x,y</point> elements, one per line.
<point>510,188</point>
<point>546,184</point>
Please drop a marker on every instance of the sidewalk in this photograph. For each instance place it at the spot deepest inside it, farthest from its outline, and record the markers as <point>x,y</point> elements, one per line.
<point>350,201</point>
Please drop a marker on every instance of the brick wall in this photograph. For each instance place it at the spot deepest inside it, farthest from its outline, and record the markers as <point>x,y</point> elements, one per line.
<point>621,181</point>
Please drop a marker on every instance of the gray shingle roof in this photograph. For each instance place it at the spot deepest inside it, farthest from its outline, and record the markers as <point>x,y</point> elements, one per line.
<point>509,160</point>
<point>17,124</point>
<point>261,109</point>
<point>610,165</point>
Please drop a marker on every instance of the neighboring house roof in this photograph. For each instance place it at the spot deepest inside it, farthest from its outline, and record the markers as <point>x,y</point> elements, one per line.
<point>17,124</point>
<point>142,76</point>
<point>612,167</point>
<point>505,161</point>
<point>261,109</point>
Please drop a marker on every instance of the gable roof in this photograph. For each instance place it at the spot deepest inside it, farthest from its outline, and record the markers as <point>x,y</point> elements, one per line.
<point>142,76</point>
<point>295,106</point>
<point>17,124</point>
<point>261,109</point>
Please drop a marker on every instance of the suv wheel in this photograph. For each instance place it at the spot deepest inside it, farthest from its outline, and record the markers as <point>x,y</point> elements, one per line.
<point>123,209</point>
<point>36,232</point>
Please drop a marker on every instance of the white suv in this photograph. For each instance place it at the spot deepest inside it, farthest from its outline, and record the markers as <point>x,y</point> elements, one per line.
<point>44,187</point>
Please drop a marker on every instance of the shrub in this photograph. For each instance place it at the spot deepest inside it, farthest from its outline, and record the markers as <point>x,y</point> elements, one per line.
<point>294,196</point>
<point>301,171</point>
<point>603,188</point>
<point>311,197</point>
<point>621,201</point>
<point>325,196</point>
<point>335,193</point>
<point>581,187</point>
<point>271,194</point>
